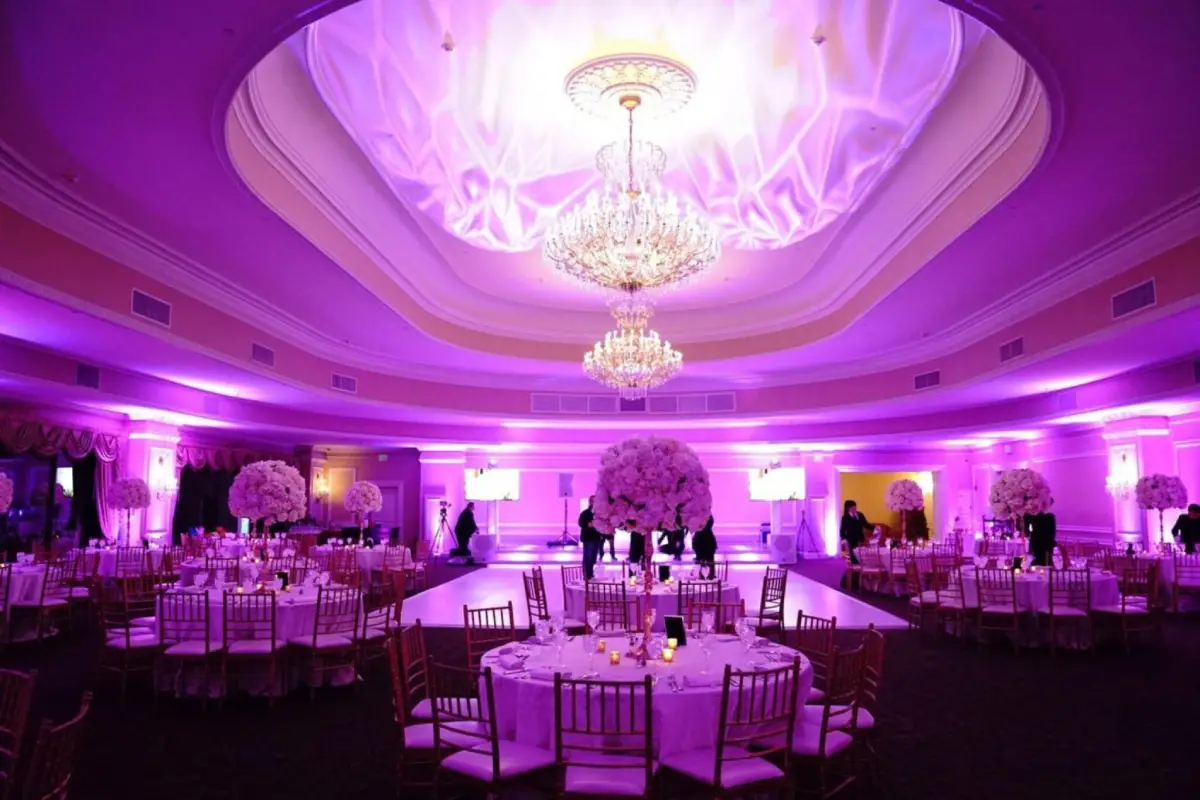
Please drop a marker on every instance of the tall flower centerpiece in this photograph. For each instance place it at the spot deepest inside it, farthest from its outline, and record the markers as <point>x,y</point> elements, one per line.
<point>1018,493</point>
<point>6,493</point>
<point>128,494</point>
<point>645,484</point>
<point>904,495</point>
<point>363,498</point>
<point>272,491</point>
<point>1158,493</point>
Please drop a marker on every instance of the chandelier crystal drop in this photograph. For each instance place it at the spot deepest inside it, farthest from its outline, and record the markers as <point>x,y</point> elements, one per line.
<point>632,360</point>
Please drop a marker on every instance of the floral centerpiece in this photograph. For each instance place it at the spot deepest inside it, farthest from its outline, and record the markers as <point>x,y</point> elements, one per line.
<point>1158,493</point>
<point>363,498</point>
<point>272,491</point>
<point>6,493</point>
<point>128,494</point>
<point>645,484</point>
<point>904,495</point>
<point>1018,493</point>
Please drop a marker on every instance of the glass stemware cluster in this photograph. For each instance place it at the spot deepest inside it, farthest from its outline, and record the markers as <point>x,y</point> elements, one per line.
<point>707,619</point>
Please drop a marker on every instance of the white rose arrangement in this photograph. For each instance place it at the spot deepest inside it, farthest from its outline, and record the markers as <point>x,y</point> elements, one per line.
<point>1158,493</point>
<point>272,491</point>
<point>6,493</point>
<point>1020,492</point>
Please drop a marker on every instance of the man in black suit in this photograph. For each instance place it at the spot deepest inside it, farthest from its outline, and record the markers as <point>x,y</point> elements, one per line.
<point>590,538</point>
<point>1043,532</point>
<point>464,529</point>
<point>1187,528</point>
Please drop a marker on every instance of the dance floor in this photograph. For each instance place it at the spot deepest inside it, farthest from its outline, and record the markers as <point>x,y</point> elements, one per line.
<point>442,606</point>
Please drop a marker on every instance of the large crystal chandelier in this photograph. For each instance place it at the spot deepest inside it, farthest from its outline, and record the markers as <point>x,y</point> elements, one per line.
<point>632,359</point>
<point>633,235</point>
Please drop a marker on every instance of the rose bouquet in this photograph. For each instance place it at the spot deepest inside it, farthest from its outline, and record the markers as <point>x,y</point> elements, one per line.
<point>1018,493</point>
<point>269,490</point>
<point>128,494</point>
<point>6,493</point>
<point>1158,493</point>
<point>362,499</point>
<point>904,495</point>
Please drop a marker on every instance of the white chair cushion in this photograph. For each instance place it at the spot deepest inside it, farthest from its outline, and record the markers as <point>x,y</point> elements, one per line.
<point>186,649</point>
<point>1068,611</point>
<point>812,717</point>
<point>626,778</point>
<point>814,696</point>
<point>136,642</point>
<point>46,602</point>
<point>953,605</point>
<point>255,647</point>
<point>424,709</point>
<point>700,765</point>
<point>1129,609</point>
<point>515,759</point>
<point>73,593</point>
<point>926,598</point>
<point>324,640</point>
<point>573,623</point>
<point>142,622</point>
<point>373,635</point>
<point>806,741</point>
<point>420,737</point>
<point>998,609</point>
<point>766,623</point>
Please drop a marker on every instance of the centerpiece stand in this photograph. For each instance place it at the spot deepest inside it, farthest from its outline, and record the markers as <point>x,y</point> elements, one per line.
<point>641,652</point>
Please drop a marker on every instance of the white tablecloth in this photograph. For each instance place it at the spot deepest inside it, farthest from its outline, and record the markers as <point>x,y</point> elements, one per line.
<point>683,720</point>
<point>369,559</point>
<point>1033,590</point>
<point>664,597</point>
<point>998,547</point>
<point>107,568</point>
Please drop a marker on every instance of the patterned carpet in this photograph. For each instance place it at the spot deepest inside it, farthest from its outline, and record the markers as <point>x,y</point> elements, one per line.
<point>955,723</point>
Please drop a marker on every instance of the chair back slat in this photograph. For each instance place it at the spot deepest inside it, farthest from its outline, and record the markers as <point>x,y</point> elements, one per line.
<point>16,696</point>
<point>338,610</point>
<point>603,725</point>
<point>535,596</point>
<point>697,592</point>
<point>414,664</point>
<point>758,717</point>
<point>184,617</point>
<point>54,756</point>
<point>487,628</point>
<point>248,616</point>
<point>611,601</point>
<point>725,614</point>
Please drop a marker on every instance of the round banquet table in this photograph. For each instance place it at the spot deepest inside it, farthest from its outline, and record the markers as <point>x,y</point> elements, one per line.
<point>998,547</point>
<point>1033,590</point>
<point>107,566</point>
<point>295,616</point>
<point>683,720</point>
<point>664,598</point>
<point>189,569</point>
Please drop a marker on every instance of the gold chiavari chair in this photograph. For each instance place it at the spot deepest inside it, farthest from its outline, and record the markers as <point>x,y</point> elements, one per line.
<point>610,601</point>
<point>418,574</point>
<point>396,557</point>
<point>725,614</point>
<point>1138,610</point>
<point>769,614</point>
<point>872,568</point>
<point>128,647</point>
<point>16,696</point>
<point>332,645</point>
<point>53,759</point>
<point>823,737</point>
<point>697,592</point>
<point>715,570</point>
<point>571,574</point>
<point>466,742</point>
<point>225,569</point>
<point>280,563</point>
<point>536,604</point>
<point>130,561</point>
<point>415,664</point>
<point>185,636</point>
<point>51,603</point>
<point>250,636</point>
<point>1070,606</point>
<point>5,592</point>
<point>996,608</point>
<point>1187,576</point>
<point>756,733</point>
<point>415,742</point>
<point>814,638</point>
<point>951,601</point>
<point>487,628</point>
<point>603,737</point>
<point>379,620</point>
<point>921,604</point>
<point>343,567</point>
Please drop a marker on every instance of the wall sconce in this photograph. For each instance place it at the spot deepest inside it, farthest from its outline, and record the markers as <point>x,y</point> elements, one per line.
<point>1123,480</point>
<point>320,487</point>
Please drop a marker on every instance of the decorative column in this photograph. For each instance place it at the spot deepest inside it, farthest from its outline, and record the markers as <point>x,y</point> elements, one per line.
<point>312,463</point>
<point>1136,446</point>
<point>150,455</point>
<point>441,480</point>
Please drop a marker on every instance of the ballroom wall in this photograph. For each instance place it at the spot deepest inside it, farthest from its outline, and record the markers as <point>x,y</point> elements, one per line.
<point>399,467</point>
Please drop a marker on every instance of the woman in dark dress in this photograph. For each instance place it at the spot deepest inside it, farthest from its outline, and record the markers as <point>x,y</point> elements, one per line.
<point>704,543</point>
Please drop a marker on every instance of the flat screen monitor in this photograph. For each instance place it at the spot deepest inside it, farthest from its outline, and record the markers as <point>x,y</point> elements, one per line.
<point>493,484</point>
<point>781,483</point>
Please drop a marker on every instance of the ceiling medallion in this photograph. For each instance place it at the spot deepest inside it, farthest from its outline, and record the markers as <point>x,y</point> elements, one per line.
<point>633,235</point>
<point>632,360</point>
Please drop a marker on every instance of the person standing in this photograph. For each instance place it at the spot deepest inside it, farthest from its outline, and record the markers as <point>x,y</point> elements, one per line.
<point>611,540</point>
<point>589,538</point>
<point>853,530</point>
<point>704,543</point>
<point>1043,531</point>
<point>1187,528</point>
<point>637,547</point>
<point>464,529</point>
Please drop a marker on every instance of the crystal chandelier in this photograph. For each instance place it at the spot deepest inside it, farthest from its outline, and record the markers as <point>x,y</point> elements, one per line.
<point>633,235</point>
<point>632,359</point>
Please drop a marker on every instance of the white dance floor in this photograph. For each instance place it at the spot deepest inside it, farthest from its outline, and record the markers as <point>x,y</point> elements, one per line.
<point>442,606</point>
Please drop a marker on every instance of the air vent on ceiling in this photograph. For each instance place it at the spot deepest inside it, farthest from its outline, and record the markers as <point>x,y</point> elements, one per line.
<point>637,406</point>
<point>87,375</point>
<point>715,403</point>
<point>573,403</point>
<point>602,404</point>
<point>927,380</point>
<point>662,404</point>
<point>344,383</point>
<point>1141,296</point>
<point>151,308</point>
<point>261,354</point>
<point>1010,350</point>
<point>543,403</point>
<point>720,403</point>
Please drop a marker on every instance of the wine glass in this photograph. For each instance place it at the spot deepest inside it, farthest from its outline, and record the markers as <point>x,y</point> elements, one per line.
<point>707,619</point>
<point>560,640</point>
<point>541,630</point>
<point>748,634</point>
<point>593,620</point>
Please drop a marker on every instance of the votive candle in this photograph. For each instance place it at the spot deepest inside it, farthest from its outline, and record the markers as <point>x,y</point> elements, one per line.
<point>614,656</point>
<point>601,646</point>
<point>672,643</point>
<point>668,654</point>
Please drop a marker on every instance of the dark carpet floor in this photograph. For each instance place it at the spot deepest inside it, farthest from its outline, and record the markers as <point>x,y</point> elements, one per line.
<point>955,723</point>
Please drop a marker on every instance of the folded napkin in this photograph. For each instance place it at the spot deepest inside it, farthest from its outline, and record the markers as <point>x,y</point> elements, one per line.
<point>538,640</point>
<point>505,650</point>
<point>547,673</point>
<point>512,662</point>
<point>696,680</point>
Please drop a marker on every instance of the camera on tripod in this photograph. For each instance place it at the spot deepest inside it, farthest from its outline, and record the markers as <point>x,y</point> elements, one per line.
<point>443,509</point>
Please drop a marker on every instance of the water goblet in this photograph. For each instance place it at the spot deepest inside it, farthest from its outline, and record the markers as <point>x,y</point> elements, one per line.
<point>706,643</point>
<point>541,630</point>
<point>589,642</point>
<point>560,640</point>
<point>593,620</point>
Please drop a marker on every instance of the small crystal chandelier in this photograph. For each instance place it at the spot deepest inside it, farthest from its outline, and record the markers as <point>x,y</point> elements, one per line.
<point>632,359</point>
<point>632,236</point>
